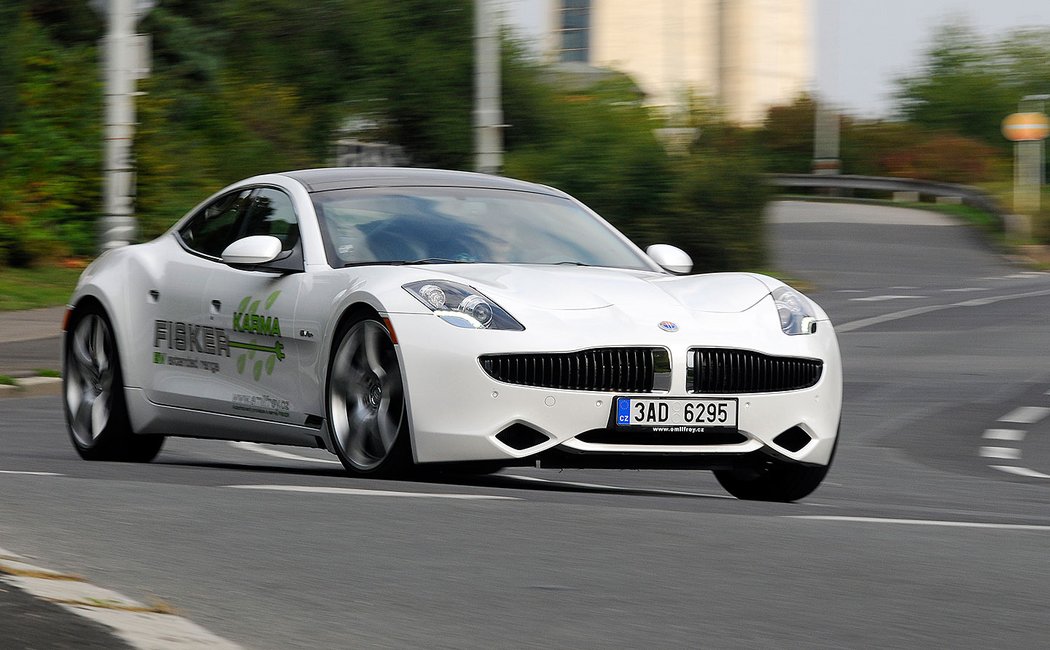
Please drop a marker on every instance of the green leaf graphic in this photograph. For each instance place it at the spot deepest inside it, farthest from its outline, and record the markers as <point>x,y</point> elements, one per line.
<point>254,308</point>
<point>244,303</point>
<point>272,299</point>
<point>240,363</point>
<point>269,364</point>
<point>257,371</point>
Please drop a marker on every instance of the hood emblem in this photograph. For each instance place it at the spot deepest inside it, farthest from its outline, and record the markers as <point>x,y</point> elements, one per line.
<point>668,326</point>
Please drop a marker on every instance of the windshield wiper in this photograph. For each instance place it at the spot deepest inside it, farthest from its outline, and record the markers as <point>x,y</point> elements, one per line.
<point>571,263</point>
<point>425,260</point>
<point>438,260</point>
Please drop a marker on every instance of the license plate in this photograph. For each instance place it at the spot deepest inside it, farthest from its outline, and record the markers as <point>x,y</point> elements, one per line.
<point>707,413</point>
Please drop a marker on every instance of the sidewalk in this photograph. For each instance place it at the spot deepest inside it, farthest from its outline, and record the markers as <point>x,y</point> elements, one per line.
<point>30,341</point>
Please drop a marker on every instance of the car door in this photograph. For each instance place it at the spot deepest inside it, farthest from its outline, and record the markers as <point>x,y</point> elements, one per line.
<point>185,346</point>
<point>260,378</point>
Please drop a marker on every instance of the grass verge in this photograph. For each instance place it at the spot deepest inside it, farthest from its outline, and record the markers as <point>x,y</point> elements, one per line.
<point>33,288</point>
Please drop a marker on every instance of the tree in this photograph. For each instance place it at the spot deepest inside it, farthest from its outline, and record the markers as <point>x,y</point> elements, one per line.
<point>967,85</point>
<point>786,136</point>
<point>600,147</point>
<point>50,174</point>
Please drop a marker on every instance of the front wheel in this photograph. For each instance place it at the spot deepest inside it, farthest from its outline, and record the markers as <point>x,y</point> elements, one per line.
<point>93,390</point>
<point>366,401</point>
<point>774,479</point>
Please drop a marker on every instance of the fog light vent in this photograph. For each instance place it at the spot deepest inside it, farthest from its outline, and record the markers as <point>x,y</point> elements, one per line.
<point>793,439</point>
<point>519,436</point>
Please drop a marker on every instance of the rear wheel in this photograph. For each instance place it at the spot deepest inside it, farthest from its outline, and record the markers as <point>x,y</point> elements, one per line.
<point>366,401</point>
<point>93,390</point>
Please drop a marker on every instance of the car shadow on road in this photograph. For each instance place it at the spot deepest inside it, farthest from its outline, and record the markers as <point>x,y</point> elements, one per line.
<point>497,481</point>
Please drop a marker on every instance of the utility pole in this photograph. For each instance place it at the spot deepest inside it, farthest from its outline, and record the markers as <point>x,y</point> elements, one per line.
<point>126,60</point>
<point>488,110</point>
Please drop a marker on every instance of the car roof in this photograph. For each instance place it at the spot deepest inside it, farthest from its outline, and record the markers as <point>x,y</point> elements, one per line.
<point>336,178</point>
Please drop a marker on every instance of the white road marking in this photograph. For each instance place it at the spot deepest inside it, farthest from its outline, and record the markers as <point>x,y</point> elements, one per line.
<point>852,291</point>
<point>1026,415</point>
<point>372,493</point>
<point>1020,471</point>
<point>13,471</point>
<point>276,453</point>
<point>904,288</point>
<point>855,325</point>
<point>1005,453</point>
<point>1010,435</point>
<point>598,486</point>
<point>966,289</point>
<point>884,298</point>
<point>886,318</point>
<point>921,522</point>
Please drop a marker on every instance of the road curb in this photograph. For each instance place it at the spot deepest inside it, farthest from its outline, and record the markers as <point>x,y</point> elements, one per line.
<point>142,626</point>
<point>32,387</point>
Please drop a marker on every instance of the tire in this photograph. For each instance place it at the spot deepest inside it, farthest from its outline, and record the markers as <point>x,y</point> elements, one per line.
<point>93,394</point>
<point>774,480</point>
<point>365,401</point>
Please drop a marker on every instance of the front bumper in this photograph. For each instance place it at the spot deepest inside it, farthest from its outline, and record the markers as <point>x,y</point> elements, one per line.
<point>456,410</point>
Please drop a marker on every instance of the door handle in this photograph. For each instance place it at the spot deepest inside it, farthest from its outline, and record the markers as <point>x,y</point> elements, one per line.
<point>216,306</point>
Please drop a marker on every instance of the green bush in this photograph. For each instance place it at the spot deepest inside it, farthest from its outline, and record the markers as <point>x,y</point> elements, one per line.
<point>717,212</point>
<point>50,153</point>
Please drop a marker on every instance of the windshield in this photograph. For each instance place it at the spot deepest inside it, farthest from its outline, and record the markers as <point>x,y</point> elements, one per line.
<point>440,224</point>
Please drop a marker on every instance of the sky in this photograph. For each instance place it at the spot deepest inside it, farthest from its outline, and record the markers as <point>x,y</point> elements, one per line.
<point>863,46</point>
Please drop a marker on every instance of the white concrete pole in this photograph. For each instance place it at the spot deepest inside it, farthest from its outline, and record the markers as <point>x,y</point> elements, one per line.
<point>118,222</point>
<point>488,111</point>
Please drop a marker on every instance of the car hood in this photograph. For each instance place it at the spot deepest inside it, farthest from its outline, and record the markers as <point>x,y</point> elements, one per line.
<point>580,288</point>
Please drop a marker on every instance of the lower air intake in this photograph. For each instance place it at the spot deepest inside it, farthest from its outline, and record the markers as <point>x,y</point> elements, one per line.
<point>793,439</point>
<point>519,436</point>
<point>665,438</point>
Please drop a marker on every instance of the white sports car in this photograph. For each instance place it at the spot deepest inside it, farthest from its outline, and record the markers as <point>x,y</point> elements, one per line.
<point>404,316</point>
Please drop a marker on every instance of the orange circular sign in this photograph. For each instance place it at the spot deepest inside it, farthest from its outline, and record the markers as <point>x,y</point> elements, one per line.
<point>1021,127</point>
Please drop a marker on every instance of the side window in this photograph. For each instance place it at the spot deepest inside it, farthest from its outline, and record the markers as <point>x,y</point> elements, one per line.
<point>272,214</point>
<point>212,229</point>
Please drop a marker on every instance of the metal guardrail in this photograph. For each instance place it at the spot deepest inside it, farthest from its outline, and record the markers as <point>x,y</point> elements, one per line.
<point>966,194</point>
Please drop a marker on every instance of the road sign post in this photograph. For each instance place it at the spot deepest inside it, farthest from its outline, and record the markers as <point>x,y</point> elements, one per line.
<point>1028,131</point>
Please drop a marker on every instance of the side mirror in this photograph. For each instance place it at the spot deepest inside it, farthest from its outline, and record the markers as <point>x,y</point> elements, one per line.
<point>670,258</point>
<point>250,251</point>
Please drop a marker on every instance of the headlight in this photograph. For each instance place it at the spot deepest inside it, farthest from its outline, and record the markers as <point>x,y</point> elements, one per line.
<point>796,312</point>
<point>462,306</point>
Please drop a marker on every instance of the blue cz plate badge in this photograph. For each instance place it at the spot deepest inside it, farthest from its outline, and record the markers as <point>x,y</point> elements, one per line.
<point>676,412</point>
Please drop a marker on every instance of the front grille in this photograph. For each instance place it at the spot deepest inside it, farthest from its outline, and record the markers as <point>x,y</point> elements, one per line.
<point>621,370</point>
<point>721,371</point>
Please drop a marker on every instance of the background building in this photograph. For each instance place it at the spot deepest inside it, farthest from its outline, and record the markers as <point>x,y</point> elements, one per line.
<point>748,54</point>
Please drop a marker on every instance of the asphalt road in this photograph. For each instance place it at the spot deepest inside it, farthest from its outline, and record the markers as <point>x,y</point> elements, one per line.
<point>933,527</point>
